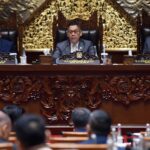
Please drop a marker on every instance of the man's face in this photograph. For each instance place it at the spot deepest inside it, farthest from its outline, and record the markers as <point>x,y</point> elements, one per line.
<point>74,33</point>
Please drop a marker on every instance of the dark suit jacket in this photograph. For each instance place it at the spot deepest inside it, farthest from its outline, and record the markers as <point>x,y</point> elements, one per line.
<point>100,139</point>
<point>64,48</point>
<point>147,45</point>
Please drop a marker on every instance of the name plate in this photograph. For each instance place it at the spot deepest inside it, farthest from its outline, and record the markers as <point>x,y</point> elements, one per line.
<point>76,61</point>
<point>143,59</point>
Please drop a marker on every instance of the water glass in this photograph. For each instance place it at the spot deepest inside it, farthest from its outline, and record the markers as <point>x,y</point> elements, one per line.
<point>23,59</point>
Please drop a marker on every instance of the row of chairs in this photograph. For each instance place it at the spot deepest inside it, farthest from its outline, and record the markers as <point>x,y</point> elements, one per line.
<point>62,146</point>
<point>72,146</point>
<point>69,140</point>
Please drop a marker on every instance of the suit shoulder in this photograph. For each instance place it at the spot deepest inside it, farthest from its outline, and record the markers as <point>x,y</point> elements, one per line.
<point>84,40</point>
<point>87,42</point>
<point>62,43</point>
<point>148,38</point>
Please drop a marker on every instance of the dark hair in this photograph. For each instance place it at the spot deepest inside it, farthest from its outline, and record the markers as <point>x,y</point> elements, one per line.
<point>14,112</point>
<point>80,117</point>
<point>100,122</point>
<point>30,130</point>
<point>74,22</point>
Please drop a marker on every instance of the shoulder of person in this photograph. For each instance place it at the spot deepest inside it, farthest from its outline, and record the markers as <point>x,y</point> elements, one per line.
<point>148,38</point>
<point>86,41</point>
<point>62,43</point>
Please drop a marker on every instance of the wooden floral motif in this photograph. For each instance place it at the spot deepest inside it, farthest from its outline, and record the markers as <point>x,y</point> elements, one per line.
<point>58,95</point>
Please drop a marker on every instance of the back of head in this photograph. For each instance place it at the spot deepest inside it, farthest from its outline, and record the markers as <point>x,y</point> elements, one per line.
<point>14,112</point>
<point>5,125</point>
<point>30,130</point>
<point>80,117</point>
<point>100,122</point>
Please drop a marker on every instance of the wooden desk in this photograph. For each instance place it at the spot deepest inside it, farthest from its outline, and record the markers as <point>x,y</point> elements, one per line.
<point>54,90</point>
<point>69,146</point>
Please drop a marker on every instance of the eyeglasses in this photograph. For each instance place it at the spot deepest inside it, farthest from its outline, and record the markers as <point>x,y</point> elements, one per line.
<point>73,31</point>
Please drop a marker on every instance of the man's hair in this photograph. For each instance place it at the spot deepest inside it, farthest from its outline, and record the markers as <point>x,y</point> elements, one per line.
<point>74,22</point>
<point>30,130</point>
<point>80,117</point>
<point>100,122</point>
<point>14,112</point>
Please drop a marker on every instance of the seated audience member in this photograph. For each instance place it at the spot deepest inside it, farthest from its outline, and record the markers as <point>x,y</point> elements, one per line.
<point>74,42</point>
<point>146,49</point>
<point>80,117</point>
<point>14,112</point>
<point>5,128</point>
<point>5,45</point>
<point>31,133</point>
<point>99,127</point>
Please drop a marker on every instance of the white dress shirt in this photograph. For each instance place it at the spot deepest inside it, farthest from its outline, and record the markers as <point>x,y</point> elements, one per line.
<point>74,47</point>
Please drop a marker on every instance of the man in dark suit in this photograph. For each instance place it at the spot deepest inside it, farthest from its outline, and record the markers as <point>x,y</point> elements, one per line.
<point>31,133</point>
<point>99,127</point>
<point>74,42</point>
<point>146,49</point>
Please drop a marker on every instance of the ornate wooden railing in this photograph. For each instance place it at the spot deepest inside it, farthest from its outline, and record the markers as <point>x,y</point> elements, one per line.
<point>54,90</point>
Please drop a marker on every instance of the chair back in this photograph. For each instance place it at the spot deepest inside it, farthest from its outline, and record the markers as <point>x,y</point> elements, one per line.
<point>145,33</point>
<point>67,139</point>
<point>74,134</point>
<point>143,30</point>
<point>9,35</point>
<point>6,146</point>
<point>62,146</point>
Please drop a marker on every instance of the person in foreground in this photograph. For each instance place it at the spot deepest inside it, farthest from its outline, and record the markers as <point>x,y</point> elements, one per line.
<point>31,133</point>
<point>146,49</point>
<point>99,127</point>
<point>80,117</point>
<point>74,42</point>
<point>5,128</point>
<point>14,112</point>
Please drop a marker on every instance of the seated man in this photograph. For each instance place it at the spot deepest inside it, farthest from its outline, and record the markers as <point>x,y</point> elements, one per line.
<point>31,133</point>
<point>74,42</point>
<point>146,49</point>
<point>80,117</point>
<point>99,127</point>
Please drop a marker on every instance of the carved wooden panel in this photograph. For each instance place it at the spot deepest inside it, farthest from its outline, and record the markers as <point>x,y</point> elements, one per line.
<point>59,94</point>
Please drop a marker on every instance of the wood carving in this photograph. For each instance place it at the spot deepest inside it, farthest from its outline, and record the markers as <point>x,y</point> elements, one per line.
<point>68,92</point>
<point>57,92</point>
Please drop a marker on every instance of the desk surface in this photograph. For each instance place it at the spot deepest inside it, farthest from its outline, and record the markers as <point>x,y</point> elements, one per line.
<point>76,68</point>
